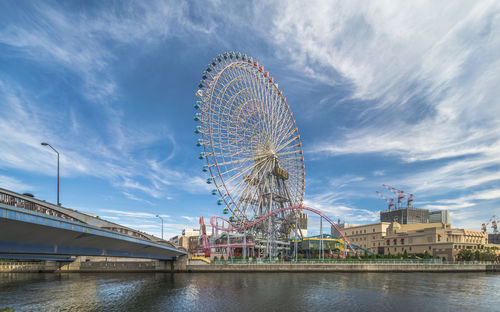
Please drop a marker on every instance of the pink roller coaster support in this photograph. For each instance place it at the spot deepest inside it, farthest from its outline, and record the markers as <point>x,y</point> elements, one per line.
<point>232,228</point>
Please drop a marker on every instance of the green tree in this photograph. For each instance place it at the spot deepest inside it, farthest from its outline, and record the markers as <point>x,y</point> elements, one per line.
<point>427,255</point>
<point>465,255</point>
<point>478,255</point>
<point>389,256</point>
<point>405,254</point>
<point>374,257</point>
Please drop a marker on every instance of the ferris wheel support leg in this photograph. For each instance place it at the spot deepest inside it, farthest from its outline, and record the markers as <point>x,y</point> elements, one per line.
<point>244,244</point>
<point>296,239</point>
<point>228,250</point>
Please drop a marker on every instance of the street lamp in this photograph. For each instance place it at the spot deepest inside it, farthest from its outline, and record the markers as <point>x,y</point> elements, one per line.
<point>161,225</point>
<point>47,144</point>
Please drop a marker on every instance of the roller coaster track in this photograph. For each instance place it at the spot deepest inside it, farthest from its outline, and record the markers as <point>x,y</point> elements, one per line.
<point>248,225</point>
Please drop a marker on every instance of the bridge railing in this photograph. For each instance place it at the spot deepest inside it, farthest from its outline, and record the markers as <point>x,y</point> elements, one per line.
<point>24,202</point>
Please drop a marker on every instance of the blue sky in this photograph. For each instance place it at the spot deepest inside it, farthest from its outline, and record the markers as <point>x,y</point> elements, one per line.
<point>402,94</point>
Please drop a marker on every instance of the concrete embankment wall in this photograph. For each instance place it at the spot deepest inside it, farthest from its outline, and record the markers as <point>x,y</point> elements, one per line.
<point>183,266</point>
<point>28,267</point>
<point>95,264</point>
<point>358,267</point>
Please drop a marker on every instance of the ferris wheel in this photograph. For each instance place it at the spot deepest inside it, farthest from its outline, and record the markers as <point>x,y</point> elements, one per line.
<point>249,141</point>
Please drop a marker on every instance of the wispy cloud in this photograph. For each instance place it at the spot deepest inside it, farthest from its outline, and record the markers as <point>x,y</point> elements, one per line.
<point>423,77</point>
<point>190,219</point>
<point>11,183</point>
<point>332,204</point>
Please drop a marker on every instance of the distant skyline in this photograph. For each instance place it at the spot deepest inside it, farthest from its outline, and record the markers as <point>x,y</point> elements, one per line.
<point>404,94</point>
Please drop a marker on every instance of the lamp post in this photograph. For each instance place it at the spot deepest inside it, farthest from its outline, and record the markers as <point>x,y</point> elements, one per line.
<point>161,225</point>
<point>47,144</point>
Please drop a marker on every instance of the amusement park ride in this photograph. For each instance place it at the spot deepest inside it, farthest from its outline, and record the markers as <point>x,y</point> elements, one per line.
<point>254,156</point>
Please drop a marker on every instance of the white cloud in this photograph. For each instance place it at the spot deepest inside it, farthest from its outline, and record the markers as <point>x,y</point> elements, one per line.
<point>330,203</point>
<point>423,76</point>
<point>122,213</point>
<point>378,173</point>
<point>190,219</point>
<point>14,184</point>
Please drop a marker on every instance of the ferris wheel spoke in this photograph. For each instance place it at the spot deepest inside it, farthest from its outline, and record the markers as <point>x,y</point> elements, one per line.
<point>247,132</point>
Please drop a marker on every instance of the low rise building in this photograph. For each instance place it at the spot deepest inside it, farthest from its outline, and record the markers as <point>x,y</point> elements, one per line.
<point>368,236</point>
<point>437,239</point>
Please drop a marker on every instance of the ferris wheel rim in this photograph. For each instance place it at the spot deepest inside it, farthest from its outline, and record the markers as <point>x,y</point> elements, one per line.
<point>214,167</point>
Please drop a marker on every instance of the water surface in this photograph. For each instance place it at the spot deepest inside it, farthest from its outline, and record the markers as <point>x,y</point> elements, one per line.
<point>251,292</point>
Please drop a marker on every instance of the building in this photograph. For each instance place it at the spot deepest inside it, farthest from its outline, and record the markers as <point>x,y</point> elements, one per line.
<point>342,227</point>
<point>440,216</point>
<point>437,239</point>
<point>409,215</point>
<point>302,223</point>
<point>187,240</point>
<point>494,238</point>
<point>368,236</point>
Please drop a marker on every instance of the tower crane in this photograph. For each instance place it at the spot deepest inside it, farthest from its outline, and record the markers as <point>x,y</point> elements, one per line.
<point>390,203</point>
<point>409,200</point>
<point>494,225</point>
<point>398,193</point>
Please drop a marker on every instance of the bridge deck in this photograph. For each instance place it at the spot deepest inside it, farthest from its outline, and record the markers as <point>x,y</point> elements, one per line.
<point>26,232</point>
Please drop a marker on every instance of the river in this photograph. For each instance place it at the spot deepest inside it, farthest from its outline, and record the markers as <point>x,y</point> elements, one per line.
<point>251,292</point>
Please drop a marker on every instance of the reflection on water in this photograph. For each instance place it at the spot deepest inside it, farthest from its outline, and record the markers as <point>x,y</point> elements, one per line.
<point>251,292</point>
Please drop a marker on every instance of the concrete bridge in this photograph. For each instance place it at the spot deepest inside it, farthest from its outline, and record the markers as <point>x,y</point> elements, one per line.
<point>33,229</point>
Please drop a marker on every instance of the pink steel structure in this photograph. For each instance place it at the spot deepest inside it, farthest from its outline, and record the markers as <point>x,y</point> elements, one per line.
<point>252,148</point>
<point>232,228</point>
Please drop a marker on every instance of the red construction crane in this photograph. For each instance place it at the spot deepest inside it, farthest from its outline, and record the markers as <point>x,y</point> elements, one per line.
<point>494,225</point>
<point>398,193</point>
<point>390,203</point>
<point>410,200</point>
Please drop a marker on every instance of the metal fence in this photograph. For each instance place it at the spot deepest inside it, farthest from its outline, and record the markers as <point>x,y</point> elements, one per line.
<point>350,261</point>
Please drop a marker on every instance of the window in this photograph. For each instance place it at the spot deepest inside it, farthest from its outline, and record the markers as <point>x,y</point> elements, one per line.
<point>373,230</point>
<point>430,247</point>
<point>410,248</point>
<point>365,231</point>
